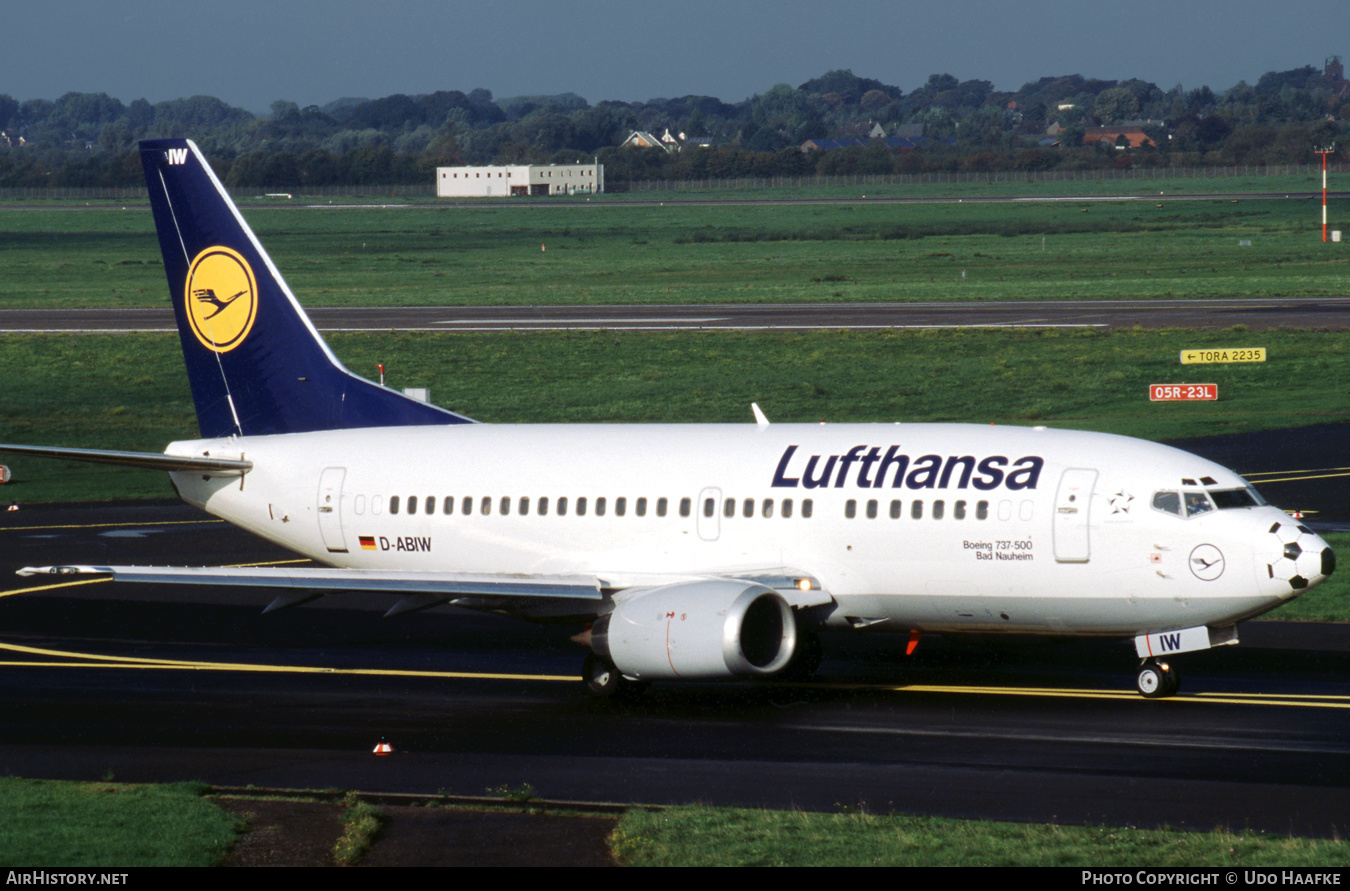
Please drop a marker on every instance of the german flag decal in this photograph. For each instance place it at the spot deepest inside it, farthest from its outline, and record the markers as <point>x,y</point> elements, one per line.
<point>367,542</point>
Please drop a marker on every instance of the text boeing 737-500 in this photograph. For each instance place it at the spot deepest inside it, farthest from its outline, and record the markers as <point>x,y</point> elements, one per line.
<point>682,551</point>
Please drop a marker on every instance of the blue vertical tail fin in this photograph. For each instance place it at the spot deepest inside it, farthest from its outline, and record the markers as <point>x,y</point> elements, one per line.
<point>256,363</point>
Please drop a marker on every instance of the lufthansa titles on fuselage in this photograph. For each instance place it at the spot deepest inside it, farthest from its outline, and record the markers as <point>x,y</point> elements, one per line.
<point>870,467</point>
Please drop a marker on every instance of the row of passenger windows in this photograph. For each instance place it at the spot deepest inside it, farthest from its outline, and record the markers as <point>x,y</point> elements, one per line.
<point>487,504</point>
<point>871,508</point>
<point>767,510</point>
<point>916,508</point>
<point>767,507</point>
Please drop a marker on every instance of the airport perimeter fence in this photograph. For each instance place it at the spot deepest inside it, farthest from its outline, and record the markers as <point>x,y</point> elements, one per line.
<point>964,177</point>
<point>746,183</point>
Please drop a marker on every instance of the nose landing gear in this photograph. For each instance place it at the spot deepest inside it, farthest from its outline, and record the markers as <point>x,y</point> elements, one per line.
<point>1157,679</point>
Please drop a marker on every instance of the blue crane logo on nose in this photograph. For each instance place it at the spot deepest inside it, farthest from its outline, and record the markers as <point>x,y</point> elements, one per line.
<point>1206,562</point>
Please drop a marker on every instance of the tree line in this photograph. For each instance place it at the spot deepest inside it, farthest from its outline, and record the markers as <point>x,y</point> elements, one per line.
<point>88,139</point>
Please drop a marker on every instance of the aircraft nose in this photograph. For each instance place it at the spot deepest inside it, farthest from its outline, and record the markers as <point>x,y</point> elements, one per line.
<point>1297,555</point>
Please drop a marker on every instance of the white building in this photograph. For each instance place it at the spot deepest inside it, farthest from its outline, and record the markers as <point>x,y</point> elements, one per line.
<point>500,182</point>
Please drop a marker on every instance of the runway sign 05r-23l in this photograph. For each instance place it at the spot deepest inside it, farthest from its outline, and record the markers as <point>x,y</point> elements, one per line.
<point>1182,392</point>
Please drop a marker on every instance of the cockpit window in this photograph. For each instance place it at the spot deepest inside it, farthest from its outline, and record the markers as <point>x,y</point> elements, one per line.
<point>1197,503</point>
<point>1228,498</point>
<point>1190,504</point>
<point>1167,502</point>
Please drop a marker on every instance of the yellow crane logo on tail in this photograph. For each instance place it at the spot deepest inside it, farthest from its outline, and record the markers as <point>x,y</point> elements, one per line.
<point>221,297</point>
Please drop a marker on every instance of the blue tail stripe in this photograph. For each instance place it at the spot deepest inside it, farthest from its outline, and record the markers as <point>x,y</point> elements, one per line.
<point>255,361</point>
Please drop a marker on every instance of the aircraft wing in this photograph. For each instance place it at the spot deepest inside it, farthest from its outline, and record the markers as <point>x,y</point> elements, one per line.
<point>420,590</point>
<point>322,580</point>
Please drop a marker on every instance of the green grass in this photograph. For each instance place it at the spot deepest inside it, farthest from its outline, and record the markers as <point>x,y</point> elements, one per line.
<point>130,392</point>
<point>361,823</point>
<point>615,253</point>
<point>64,824</point>
<point>53,824</point>
<point>706,836</point>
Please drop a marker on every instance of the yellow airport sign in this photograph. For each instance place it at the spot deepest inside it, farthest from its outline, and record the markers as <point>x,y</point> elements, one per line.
<point>1208,356</point>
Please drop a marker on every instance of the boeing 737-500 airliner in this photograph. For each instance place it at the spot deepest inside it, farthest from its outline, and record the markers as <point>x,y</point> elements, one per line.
<point>682,551</point>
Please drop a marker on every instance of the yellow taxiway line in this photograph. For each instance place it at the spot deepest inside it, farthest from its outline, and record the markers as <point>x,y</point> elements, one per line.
<point>108,525</point>
<point>99,660</point>
<point>72,659</point>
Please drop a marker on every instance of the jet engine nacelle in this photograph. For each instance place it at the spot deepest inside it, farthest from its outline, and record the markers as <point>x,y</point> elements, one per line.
<point>706,630</point>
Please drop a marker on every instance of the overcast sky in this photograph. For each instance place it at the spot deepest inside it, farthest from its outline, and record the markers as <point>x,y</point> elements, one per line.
<point>252,52</point>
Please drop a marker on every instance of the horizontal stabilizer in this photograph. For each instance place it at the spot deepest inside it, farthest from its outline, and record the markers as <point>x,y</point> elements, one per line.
<point>151,460</point>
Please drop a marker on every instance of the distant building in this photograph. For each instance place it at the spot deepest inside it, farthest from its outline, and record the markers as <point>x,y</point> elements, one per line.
<point>522,179</point>
<point>668,141</point>
<point>903,136</point>
<point>1121,136</point>
<point>891,142</point>
<point>643,139</point>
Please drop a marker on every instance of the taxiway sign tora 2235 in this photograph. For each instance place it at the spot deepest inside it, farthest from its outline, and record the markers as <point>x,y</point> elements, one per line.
<point>682,551</point>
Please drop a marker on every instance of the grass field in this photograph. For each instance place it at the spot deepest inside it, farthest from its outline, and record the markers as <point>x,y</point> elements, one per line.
<point>708,836</point>
<point>616,252</point>
<point>130,392</point>
<point>57,824</point>
<point>53,824</point>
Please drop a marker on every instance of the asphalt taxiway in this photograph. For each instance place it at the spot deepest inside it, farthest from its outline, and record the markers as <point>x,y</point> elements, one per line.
<point>147,683</point>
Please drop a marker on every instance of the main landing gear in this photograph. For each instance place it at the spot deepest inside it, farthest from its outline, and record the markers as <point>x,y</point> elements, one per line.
<point>1157,679</point>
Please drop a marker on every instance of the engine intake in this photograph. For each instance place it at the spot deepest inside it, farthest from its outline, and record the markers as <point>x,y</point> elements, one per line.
<point>719,628</point>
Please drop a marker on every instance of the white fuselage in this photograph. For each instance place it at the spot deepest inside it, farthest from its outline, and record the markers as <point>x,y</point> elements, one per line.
<point>925,527</point>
